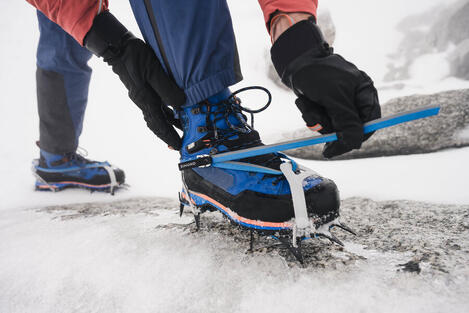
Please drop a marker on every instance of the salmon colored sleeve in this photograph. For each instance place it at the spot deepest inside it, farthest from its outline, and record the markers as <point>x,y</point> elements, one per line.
<point>270,6</point>
<point>74,16</point>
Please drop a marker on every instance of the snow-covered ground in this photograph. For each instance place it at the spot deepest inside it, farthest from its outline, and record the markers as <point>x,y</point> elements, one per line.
<point>126,258</point>
<point>120,263</point>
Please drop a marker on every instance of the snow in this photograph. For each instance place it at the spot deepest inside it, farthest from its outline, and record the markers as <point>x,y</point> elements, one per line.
<point>436,61</point>
<point>123,264</point>
<point>464,134</point>
<point>439,177</point>
<point>120,263</point>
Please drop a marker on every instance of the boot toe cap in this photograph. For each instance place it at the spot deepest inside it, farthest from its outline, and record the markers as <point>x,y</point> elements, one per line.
<point>120,175</point>
<point>323,200</point>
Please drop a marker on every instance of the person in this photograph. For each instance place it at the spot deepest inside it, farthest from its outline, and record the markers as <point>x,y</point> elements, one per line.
<point>62,82</point>
<point>179,77</point>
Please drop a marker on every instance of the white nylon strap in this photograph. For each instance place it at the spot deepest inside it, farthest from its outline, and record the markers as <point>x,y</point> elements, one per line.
<point>38,177</point>
<point>303,225</point>
<point>112,177</point>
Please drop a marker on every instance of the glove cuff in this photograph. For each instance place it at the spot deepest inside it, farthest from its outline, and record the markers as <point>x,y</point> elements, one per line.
<point>106,36</point>
<point>304,37</point>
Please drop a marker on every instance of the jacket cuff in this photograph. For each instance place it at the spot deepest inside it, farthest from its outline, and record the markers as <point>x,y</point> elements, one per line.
<point>269,7</point>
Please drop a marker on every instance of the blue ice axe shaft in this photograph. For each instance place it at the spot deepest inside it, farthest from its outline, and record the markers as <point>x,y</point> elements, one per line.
<point>395,119</point>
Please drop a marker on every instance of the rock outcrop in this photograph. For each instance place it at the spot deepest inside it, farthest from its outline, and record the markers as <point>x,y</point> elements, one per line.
<point>450,129</point>
<point>427,33</point>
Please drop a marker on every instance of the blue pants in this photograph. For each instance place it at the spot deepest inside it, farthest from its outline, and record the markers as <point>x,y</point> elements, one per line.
<point>62,79</point>
<point>194,40</point>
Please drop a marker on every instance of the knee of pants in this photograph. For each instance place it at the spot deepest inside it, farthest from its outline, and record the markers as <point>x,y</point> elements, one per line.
<point>58,51</point>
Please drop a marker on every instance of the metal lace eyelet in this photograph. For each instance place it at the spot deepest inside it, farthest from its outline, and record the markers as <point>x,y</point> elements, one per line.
<point>214,151</point>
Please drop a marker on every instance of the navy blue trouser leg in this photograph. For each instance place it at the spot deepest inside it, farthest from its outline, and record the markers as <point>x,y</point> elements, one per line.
<point>63,78</point>
<point>195,42</point>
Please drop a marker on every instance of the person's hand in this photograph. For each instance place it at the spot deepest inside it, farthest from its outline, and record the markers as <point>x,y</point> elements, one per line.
<point>333,94</point>
<point>138,68</point>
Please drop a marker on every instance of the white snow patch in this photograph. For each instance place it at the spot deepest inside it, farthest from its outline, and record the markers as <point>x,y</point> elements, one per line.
<point>124,264</point>
<point>430,68</point>
<point>437,177</point>
<point>463,134</point>
<point>403,88</point>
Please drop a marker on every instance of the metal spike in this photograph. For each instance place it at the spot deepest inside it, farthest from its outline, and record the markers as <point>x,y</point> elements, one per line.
<point>181,204</point>
<point>331,237</point>
<point>336,240</point>
<point>124,186</point>
<point>181,209</point>
<point>197,221</point>
<point>345,227</point>
<point>297,252</point>
<point>251,241</point>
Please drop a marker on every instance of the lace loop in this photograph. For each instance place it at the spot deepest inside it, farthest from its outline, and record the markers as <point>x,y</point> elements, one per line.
<point>231,107</point>
<point>269,101</point>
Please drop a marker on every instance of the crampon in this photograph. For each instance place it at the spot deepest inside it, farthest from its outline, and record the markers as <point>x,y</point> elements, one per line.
<point>290,234</point>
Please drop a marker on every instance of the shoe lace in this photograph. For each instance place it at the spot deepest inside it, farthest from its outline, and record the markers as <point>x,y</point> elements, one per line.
<point>79,157</point>
<point>231,107</point>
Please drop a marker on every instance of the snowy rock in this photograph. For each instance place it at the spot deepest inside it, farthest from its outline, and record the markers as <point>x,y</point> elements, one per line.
<point>450,129</point>
<point>459,60</point>
<point>432,234</point>
<point>446,33</point>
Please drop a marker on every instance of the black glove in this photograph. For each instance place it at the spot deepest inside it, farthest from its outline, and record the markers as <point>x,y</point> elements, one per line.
<point>332,92</point>
<point>141,72</point>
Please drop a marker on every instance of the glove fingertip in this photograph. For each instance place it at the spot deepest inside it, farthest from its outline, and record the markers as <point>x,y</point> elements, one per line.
<point>336,148</point>
<point>176,146</point>
<point>173,140</point>
<point>327,153</point>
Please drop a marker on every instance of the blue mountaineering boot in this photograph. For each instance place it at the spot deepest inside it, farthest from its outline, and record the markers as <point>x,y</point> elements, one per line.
<point>56,172</point>
<point>257,201</point>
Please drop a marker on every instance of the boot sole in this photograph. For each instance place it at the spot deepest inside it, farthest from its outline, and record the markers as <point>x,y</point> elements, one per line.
<point>202,201</point>
<point>58,186</point>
